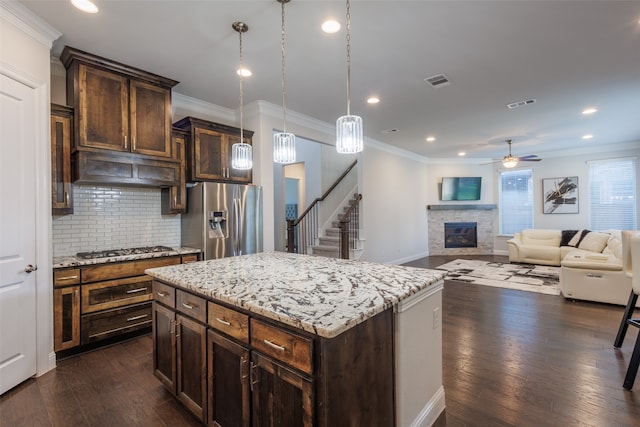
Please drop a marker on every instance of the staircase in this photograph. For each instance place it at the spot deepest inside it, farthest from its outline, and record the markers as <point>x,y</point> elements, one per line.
<point>329,241</point>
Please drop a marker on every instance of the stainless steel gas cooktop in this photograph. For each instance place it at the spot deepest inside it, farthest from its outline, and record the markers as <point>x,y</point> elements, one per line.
<point>120,252</point>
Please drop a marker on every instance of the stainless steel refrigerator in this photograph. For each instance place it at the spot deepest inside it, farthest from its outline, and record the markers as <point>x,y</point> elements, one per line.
<point>223,219</point>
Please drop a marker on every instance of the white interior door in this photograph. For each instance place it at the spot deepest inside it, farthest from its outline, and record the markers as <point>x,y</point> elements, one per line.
<point>17,233</point>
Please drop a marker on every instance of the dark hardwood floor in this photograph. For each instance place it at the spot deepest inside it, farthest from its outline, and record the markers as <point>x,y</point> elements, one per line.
<point>511,358</point>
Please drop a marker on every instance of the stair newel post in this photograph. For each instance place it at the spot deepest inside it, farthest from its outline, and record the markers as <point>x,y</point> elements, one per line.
<point>290,236</point>
<point>344,238</point>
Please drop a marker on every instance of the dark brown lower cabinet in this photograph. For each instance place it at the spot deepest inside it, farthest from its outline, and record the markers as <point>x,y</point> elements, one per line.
<point>228,369</point>
<point>280,397</point>
<point>191,339</point>
<point>164,346</point>
<point>66,328</point>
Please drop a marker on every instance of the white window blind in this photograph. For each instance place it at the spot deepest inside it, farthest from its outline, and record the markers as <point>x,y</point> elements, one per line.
<point>516,201</point>
<point>612,194</point>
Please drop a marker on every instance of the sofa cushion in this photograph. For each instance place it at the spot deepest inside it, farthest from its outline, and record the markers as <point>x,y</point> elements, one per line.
<point>577,238</point>
<point>594,242</point>
<point>536,237</point>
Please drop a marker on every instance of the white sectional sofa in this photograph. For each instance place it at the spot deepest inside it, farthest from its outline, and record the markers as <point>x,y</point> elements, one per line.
<point>591,267</point>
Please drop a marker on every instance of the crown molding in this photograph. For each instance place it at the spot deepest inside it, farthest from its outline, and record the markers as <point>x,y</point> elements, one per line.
<point>24,19</point>
<point>203,108</point>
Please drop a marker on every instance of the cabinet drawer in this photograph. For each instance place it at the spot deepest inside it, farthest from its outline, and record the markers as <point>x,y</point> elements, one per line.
<point>164,293</point>
<point>106,324</point>
<point>229,321</point>
<point>97,273</point>
<point>66,277</point>
<point>191,305</point>
<point>282,345</point>
<point>186,259</point>
<point>116,293</point>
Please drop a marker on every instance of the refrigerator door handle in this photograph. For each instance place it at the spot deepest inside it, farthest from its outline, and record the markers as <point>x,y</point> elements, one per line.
<point>239,218</point>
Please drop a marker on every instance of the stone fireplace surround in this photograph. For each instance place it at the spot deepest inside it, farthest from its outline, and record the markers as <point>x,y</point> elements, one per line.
<point>483,215</point>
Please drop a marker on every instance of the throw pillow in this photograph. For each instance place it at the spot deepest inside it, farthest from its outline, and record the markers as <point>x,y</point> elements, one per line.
<point>577,238</point>
<point>594,242</point>
<point>567,235</point>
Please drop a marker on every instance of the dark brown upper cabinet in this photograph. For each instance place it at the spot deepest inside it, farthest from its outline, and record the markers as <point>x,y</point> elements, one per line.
<point>209,151</point>
<point>174,198</point>
<point>118,108</point>
<point>61,132</point>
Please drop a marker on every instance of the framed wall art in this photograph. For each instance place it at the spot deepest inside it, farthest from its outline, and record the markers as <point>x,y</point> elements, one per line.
<point>560,195</point>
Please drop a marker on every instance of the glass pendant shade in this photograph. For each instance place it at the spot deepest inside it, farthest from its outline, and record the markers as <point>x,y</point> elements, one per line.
<point>349,134</point>
<point>241,156</point>
<point>284,147</point>
<point>510,162</point>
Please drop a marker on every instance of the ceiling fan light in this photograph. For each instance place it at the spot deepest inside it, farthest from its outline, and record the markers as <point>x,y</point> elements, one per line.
<point>284,147</point>
<point>510,162</point>
<point>349,137</point>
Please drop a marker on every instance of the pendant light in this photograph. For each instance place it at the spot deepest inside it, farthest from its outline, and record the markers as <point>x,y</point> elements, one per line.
<point>241,153</point>
<point>284,144</point>
<point>349,128</point>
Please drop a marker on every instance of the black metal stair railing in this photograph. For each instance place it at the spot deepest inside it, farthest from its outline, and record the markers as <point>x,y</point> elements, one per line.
<point>303,231</point>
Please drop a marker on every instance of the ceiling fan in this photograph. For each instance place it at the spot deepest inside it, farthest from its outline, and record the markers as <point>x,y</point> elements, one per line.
<point>511,161</point>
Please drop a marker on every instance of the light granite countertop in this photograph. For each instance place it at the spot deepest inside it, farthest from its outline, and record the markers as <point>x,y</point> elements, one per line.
<point>324,296</point>
<point>73,261</point>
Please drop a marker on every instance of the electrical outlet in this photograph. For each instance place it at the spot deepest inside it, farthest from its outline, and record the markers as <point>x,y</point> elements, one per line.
<point>436,318</point>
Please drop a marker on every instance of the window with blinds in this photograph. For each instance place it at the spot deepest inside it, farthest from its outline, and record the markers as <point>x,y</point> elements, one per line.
<point>612,194</point>
<point>516,201</point>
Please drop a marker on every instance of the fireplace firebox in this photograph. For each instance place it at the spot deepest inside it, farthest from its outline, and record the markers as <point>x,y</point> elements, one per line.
<point>460,234</point>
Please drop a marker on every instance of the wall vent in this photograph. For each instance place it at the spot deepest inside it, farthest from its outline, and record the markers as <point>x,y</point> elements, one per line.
<point>520,103</point>
<point>437,81</point>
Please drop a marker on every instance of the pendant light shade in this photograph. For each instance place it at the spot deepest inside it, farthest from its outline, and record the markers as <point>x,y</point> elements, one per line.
<point>241,153</point>
<point>349,136</point>
<point>284,143</point>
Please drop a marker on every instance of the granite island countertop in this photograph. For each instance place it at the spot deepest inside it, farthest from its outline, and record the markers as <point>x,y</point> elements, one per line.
<point>324,296</point>
<point>73,261</point>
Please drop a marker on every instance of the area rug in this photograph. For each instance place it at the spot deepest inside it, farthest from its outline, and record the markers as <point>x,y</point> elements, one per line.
<point>523,277</point>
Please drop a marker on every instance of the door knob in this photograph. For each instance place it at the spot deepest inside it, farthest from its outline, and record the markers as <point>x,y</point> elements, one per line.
<point>30,268</point>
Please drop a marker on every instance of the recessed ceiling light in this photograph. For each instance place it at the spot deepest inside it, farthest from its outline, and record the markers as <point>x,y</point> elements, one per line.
<point>590,110</point>
<point>244,72</point>
<point>373,100</point>
<point>330,26</point>
<point>85,6</point>
<point>431,138</point>
<point>587,136</point>
<point>462,153</point>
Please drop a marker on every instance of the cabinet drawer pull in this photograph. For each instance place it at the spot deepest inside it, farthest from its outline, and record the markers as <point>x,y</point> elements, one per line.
<point>75,276</point>
<point>189,306</point>
<point>142,316</point>
<point>162,294</point>
<point>134,291</point>
<point>224,322</point>
<point>276,346</point>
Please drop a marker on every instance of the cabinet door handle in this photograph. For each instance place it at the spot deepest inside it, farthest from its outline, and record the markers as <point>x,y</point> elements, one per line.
<point>276,346</point>
<point>243,363</point>
<point>133,144</point>
<point>162,294</point>
<point>171,331</point>
<point>224,322</point>
<point>175,201</point>
<point>177,327</point>
<point>75,296</point>
<point>66,198</point>
<point>135,291</point>
<point>142,316</point>
<point>252,376</point>
<point>126,144</point>
<point>189,306</point>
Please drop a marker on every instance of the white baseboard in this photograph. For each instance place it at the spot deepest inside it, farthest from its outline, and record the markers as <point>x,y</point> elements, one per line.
<point>431,410</point>
<point>408,259</point>
<point>505,253</point>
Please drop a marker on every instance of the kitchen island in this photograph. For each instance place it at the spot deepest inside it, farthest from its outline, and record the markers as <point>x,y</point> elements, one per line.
<point>285,339</point>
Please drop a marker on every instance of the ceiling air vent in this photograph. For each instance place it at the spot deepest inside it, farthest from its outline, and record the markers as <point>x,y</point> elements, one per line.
<point>438,81</point>
<point>520,103</point>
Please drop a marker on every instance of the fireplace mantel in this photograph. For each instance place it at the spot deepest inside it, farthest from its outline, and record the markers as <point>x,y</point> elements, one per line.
<point>459,207</point>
